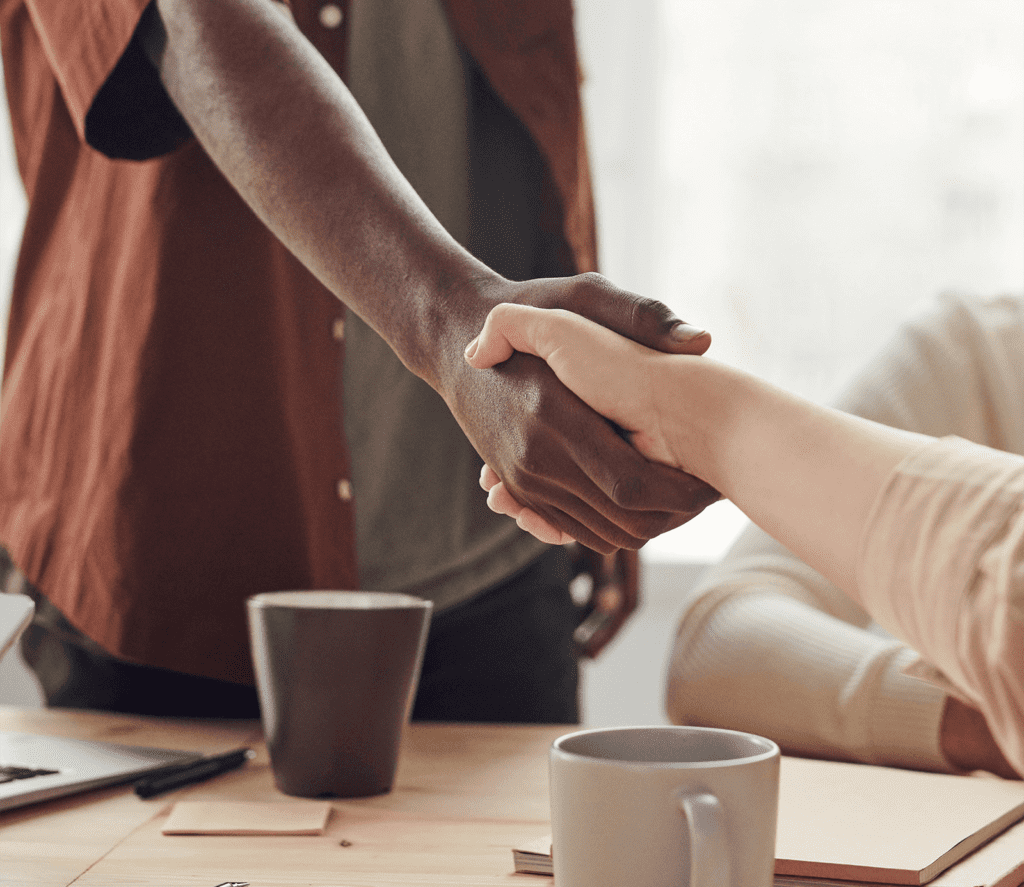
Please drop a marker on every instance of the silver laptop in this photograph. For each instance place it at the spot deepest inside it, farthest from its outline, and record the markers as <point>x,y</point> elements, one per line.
<point>37,768</point>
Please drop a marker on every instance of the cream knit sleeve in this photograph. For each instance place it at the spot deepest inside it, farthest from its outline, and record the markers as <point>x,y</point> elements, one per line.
<point>941,564</point>
<point>768,645</point>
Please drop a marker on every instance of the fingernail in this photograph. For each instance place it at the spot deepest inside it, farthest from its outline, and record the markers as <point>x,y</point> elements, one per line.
<point>684,332</point>
<point>471,348</point>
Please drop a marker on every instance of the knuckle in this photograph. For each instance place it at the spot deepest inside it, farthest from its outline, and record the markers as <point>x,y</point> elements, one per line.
<point>594,278</point>
<point>627,492</point>
<point>584,287</point>
<point>646,312</point>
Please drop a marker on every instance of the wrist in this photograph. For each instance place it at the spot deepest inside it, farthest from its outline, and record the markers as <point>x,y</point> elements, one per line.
<point>698,414</point>
<point>437,317</point>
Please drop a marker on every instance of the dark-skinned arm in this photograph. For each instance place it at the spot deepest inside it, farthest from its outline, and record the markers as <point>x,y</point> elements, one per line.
<point>283,128</point>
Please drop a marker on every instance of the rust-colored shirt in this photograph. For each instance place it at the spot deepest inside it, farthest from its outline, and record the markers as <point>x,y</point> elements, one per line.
<point>169,439</point>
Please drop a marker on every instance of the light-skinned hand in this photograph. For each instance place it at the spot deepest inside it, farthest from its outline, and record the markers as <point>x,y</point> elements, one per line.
<point>612,374</point>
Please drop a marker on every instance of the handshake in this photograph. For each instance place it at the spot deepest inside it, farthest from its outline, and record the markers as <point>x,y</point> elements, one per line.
<point>620,379</point>
<point>806,474</point>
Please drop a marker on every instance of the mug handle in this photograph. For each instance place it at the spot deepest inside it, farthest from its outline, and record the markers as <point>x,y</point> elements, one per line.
<point>709,845</point>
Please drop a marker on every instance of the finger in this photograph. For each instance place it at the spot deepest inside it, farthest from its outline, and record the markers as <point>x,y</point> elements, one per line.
<point>637,486</point>
<point>560,528</point>
<point>577,473</point>
<point>607,537</point>
<point>610,599</point>
<point>591,360</point>
<point>488,477</point>
<point>488,348</point>
<point>684,338</point>
<point>627,568</point>
<point>583,500</point>
<point>618,598</point>
<point>534,524</point>
<point>501,501</point>
<point>567,513</point>
<point>603,623</point>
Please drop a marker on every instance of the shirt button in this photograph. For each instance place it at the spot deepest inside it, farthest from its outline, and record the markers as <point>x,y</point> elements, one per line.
<point>331,15</point>
<point>345,490</point>
<point>338,329</point>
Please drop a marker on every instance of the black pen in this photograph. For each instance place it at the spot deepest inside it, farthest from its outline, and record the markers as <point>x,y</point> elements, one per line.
<point>171,778</point>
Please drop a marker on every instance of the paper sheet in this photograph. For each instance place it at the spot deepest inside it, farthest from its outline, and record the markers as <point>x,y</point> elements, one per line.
<point>247,818</point>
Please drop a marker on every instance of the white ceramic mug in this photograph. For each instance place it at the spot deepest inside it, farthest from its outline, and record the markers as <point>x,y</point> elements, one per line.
<point>664,807</point>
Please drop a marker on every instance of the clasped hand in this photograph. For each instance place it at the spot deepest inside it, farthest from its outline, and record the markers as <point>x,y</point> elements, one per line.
<point>613,375</point>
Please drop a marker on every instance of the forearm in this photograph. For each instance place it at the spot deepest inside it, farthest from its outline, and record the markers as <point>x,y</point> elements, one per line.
<point>283,128</point>
<point>806,474</point>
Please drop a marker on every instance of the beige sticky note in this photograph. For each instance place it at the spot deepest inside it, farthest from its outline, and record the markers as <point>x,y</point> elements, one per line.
<point>247,818</point>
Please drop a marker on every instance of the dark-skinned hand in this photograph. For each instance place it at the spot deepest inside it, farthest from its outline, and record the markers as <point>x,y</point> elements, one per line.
<point>554,454</point>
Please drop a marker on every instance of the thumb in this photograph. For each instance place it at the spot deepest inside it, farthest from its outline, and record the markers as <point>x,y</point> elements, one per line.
<point>653,325</point>
<point>647,321</point>
<point>508,328</point>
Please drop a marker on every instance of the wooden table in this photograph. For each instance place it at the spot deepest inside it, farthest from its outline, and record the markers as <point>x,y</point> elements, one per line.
<point>464,796</point>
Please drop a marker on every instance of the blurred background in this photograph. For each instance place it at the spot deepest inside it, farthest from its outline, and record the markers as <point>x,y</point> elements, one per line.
<point>795,176</point>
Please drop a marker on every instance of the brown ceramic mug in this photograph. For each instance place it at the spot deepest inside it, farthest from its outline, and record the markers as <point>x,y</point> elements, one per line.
<point>336,673</point>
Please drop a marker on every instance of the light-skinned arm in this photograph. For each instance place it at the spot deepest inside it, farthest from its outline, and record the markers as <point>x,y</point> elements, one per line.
<point>285,131</point>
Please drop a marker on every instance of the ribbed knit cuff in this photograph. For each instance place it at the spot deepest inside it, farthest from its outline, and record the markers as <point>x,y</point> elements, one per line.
<point>905,718</point>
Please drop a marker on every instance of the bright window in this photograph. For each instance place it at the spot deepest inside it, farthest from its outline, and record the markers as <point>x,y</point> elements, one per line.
<point>796,176</point>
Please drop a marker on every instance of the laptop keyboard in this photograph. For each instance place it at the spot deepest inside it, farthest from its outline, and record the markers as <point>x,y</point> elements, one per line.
<point>12,772</point>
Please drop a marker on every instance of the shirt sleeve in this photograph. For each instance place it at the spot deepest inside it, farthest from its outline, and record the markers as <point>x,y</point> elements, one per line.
<point>113,93</point>
<point>767,645</point>
<point>941,565</point>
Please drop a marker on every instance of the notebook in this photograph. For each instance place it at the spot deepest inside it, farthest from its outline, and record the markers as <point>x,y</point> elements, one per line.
<point>854,824</point>
<point>37,768</point>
